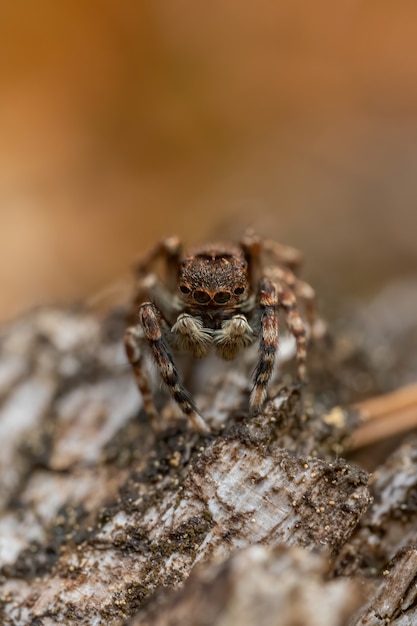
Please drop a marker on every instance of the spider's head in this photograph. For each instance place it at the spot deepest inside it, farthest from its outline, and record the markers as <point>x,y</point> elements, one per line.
<point>214,276</point>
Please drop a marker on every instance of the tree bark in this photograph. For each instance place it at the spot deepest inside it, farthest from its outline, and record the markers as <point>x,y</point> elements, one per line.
<point>104,521</point>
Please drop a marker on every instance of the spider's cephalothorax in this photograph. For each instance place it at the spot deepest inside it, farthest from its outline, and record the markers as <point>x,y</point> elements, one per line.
<point>214,279</point>
<point>218,296</point>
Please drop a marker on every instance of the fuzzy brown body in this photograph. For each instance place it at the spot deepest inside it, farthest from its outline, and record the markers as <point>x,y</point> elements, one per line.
<point>214,283</point>
<point>216,296</point>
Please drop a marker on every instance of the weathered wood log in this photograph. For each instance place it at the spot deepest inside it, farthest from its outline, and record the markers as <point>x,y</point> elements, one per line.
<point>258,586</point>
<point>390,523</point>
<point>99,515</point>
<point>108,513</point>
<point>394,600</point>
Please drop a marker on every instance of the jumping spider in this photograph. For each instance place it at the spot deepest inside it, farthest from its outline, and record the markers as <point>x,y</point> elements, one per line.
<point>221,296</point>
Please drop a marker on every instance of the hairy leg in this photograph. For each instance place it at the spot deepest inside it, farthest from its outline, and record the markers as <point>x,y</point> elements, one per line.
<point>304,291</point>
<point>278,274</point>
<point>286,255</point>
<point>256,246</point>
<point>168,250</point>
<point>134,344</point>
<point>289,260</point>
<point>268,302</point>
<point>148,285</point>
<point>152,324</point>
<point>288,302</point>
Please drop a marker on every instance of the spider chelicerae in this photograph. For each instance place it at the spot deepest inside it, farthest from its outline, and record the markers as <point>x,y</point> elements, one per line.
<point>219,296</point>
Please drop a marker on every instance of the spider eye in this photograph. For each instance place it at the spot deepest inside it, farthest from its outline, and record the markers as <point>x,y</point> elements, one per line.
<point>238,291</point>
<point>221,297</point>
<point>185,289</point>
<point>201,296</point>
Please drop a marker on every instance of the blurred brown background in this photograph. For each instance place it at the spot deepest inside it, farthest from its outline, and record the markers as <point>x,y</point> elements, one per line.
<point>122,122</point>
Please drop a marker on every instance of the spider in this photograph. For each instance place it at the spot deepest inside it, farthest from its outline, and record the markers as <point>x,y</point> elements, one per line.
<point>216,296</point>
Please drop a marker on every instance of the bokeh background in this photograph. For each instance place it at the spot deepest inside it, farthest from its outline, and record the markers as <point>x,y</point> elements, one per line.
<point>122,122</point>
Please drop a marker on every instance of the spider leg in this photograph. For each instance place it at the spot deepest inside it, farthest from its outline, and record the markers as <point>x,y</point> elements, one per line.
<point>254,245</point>
<point>148,285</point>
<point>153,325</point>
<point>278,274</point>
<point>286,255</point>
<point>302,290</point>
<point>268,302</point>
<point>169,250</point>
<point>288,302</point>
<point>306,292</point>
<point>134,340</point>
<point>251,245</point>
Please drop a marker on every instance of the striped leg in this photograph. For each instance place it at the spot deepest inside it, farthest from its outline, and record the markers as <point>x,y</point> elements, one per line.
<point>152,324</point>
<point>288,302</point>
<point>170,251</point>
<point>148,285</point>
<point>303,291</point>
<point>288,256</point>
<point>306,292</point>
<point>256,246</point>
<point>268,303</point>
<point>134,340</point>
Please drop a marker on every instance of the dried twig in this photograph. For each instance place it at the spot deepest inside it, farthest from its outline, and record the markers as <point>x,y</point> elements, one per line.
<point>385,416</point>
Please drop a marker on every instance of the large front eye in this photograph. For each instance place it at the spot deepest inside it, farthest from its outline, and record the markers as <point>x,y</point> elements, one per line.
<point>201,296</point>
<point>221,297</point>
